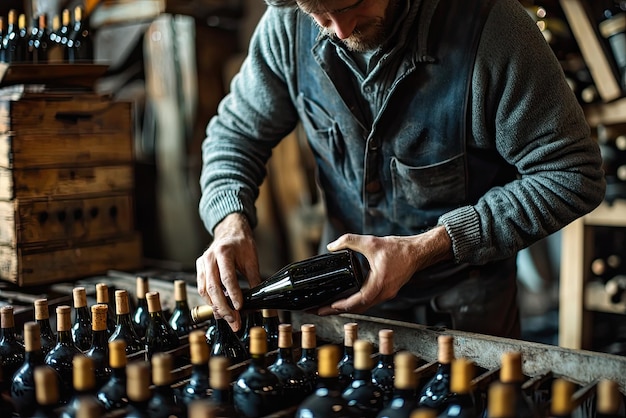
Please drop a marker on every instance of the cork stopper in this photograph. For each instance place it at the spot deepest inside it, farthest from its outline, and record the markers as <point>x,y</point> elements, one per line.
<point>138,381</point>
<point>66,17</point>
<point>198,347</point>
<point>6,317</point>
<point>202,409</point>
<point>609,397</point>
<point>78,13</point>
<point>64,318</point>
<point>501,400</point>
<point>83,373</point>
<point>201,313</point>
<point>269,313</point>
<point>43,21</point>
<point>180,290</point>
<point>385,341</point>
<point>56,23</point>
<point>462,374</point>
<point>154,301</point>
<point>363,355</point>
<point>41,310</point>
<point>285,336</point>
<point>404,370</point>
<point>445,349</point>
<point>99,317</point>
<point>308,336</point>
<point>162,364</point>
<point>219,375</point>
<point>424,413</point>
<point>511,367</point>
<point>21,21</point>
<point>142,286</point>
<point>32,337</point>
<point>350,333</point>
<point>562,391</point>
<point>80,297</point>
<point>258,341</point>
<point>328,357</point>
<point>102,293</point>
<point>88,407</point>
<point>46,386</point>
<point>121,302</point>
<point>117,354</point>
<point>11,16</point>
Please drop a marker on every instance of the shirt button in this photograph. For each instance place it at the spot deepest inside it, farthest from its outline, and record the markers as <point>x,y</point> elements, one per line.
<point>373,186</point>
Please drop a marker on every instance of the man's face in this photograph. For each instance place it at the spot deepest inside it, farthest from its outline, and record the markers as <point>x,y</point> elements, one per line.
<point>360,24</point>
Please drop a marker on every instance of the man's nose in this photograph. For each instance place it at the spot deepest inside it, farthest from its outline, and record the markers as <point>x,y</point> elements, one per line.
<point>343,26</point>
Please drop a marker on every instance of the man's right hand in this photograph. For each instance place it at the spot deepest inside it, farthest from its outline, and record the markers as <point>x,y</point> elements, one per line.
<point>233,249</point>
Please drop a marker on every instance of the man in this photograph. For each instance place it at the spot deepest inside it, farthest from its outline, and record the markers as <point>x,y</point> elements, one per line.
<point>446,139</point>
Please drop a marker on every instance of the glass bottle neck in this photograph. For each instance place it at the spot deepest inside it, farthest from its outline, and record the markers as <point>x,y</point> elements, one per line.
<point>65,337</point>
<point>100,339</point>
<point>308,354</point>
<point>285,354</point>
<point>360,374</point>
<point>44,327</point>
<point>8,334</point>
<point>220,396</point>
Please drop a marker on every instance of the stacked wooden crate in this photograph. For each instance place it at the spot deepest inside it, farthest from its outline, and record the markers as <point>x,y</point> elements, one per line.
<point>66,187</point>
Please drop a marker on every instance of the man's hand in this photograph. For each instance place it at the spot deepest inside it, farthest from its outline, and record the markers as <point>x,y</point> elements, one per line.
<point>233,249</point>
<point>393,260</point>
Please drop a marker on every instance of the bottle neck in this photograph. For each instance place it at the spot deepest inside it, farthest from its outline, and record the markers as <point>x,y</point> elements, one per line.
<point>308,354</point>
<point>34,358</point>
<point>182,305</point>
<point>124,319</point>
<point>360,374</point>
<point>8,334</point>
<point>385,359</point>
<point>285,354</point>
<point>348,351</point>
<point>258,361</point>
<point>44,326</point>
<point>220,396</point>
<point>100,339</point>
<point>65,337</point>
<point>83,313</point>
<point>118,373</point>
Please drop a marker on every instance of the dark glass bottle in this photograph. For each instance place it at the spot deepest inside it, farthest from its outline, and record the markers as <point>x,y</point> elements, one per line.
<point>112,395</point>
<point>23,383</point>
<point>363,395</point>
<point>198,385</point>
<point>40,56</point>
<point>257,392</point>
<point>81,327</point>
<point>346,363</point>
<point>84,380</point>
<point>102,297</point>
<point>562,404</point>
<point>80,42</point>
<point>9,40</point>
<point>181,320</point>
<point>141,318</point>
<point>138,389</point>
<point>405,384</point>
<point>22,52</point>
<point>252,319</point>
<point>461,403</point>
<point>42,317</point>
<point>308,354</point>
<point>383,372</point>
<point>55,51</point>
<point>612,28</point>
<point>204,314</point>
<point>60,357</point>
<point>11,349</point>
<point>270,323</point>
<point>124,328</point>
<point>511,374</point>
<point>221,394</point>
<point>162,404</point>
<point>47,392</point>
<point>99,349</point>
<point>326,401</point>
<point>608,399</point>
<point>227,344</point>
<point>435,392</point>
<point>64,33</point>
<point>159,335</point>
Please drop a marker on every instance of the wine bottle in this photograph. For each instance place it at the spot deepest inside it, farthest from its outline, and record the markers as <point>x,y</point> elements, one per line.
<point>22,53</point>
<point>81,327</point>
<point>198,385</point>
<point>60,357</point>
<point>55,50</point>
<point>511,374</point>
<point>46,392</point>
<point>162,404</point>
<point>80,42</point>
<point>405,383</point>
<point>257,392</point>
<point>99,349</point>
<point>227,344</point>
<point>346,364</point>
<point>296,386</point>
<point>326,401</point>
<point>42,41</point>
<point>308,355</point>
<point>383,372</point>
<point>181,320</point>
<point>252,319</point>
<point>608,399</point>
<point>461,403</point>
<point>501,401</point>
<point>363,395</point>
<point>141,318</point>
<point>23,383</point>
<point>42,317</point>
<point>562,404</point>
<point>159,335</point>
<point>138,389</point>
<point>124,327</point>
<point>11,350</point>
<point>112,395</point>
<point>270,323</point>
<point>219,381</point>
<point>102,297</point>
<point>10,37</point>
<point>203,314</point>
<point>436,391</point>
<point>613,28</point>
<point>64,32</point>
<point>84,380</point>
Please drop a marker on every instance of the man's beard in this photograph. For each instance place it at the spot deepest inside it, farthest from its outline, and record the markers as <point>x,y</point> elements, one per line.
<point>365,37</point>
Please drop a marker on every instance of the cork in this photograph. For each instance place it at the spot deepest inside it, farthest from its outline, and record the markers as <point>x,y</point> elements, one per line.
<point>445,349</point>
<point>66,17</point>
<point>201,408</point>
<point>83,373</point>
<point>6,317</point>
<point>219,374</point>
<point>88,407</point>
<point>269,313</point>
<point>285,336</point>
<point>363,355</point>
<point>102,293</point>
<point>462,374</point>
<point>41,310</point>
<point>258,341</point>
<point>385,341</point>
<point>64,318</point>
<point>424,413</point>
<point>180,290</point>
<point>350,331</point>
<point>562,391</point>
<point>198,347</point>
<point>202,313</point>
<point>142,286</point>
<point>328,357</point>
<point>511,367</point>
<point>162,364</point>
<point>154,301</point>
<point>501,400</point>
<point>78,13</point>
<point>404,370</point>
<point>308,336</point>
<point>99,317</point>
<point>80,297</point>
<point>32,337</point>
<point>608,397</point>
<point>117,354</point>
<point>138,381</point>
<point>121,302</point>
<point>46,386</point>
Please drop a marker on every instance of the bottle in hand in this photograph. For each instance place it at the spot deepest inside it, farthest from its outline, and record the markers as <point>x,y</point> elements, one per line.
<point>46,392</point>
<point>461,403</point>
<point>308,354</point>
<point>159,335</point>
<point>81,327</point>
<point>405,383</point>
<point>23,383</point>
<point>383,372</point>
<point>112,395</point>
<point>124,328</point>
<point>162,404</point>
<point>181,320</point>
<point>141,318</point>
<point>362,394</point>
<point>436,391</point>
<point>11,349</point>
<point>198,385</point>
<point>346,364</point>
<point>99,349</point>
<point>42,317</point>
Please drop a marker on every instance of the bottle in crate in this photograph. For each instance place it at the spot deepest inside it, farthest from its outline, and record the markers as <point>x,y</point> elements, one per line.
<point>501,401</point>
<point>11,349</point>
<point>42,317</point>
<point>609,402</point>
<point>159,335</point>
<point>270,323</point>
<point>102,297</point>
<point>112,395</point>
<point>308,354</point>
<point>162,404</point>
<point>138,389</point>
<point>404,399</point>
<point>99,349</point>
<point>221,394</point>
<point>383,371</point>
<point>512,375</point>
<point>251,319</point>
<point>461,402</point>
<point>124,328</point>
<point>363,395</point>
<point>198,385</point>
<point>562,405</point>
<point>46,392</point>
<point>436,391</point>
<point>23,383</point>
<point>81,327</point>
<point>181,320</point>
<point>84,380</point>
<point>141,317</point>
<point>346,363</point>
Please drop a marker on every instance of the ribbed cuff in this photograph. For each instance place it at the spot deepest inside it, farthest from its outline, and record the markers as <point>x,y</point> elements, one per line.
<point>463,226</point>
<point>213,210</point>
